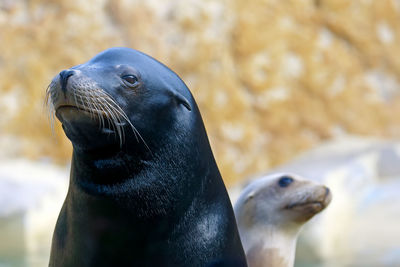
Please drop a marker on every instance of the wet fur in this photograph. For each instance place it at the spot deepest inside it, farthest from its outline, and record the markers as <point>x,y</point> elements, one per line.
<point>130,203</point>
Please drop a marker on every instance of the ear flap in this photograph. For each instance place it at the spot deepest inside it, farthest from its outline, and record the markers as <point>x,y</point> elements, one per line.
<point>249,196</point>
<point>182,100</point>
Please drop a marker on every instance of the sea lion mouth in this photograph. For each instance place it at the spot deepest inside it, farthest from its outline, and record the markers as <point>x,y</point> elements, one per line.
<point>312,204</point>
<point>84,109</point>
<point>318,205</point>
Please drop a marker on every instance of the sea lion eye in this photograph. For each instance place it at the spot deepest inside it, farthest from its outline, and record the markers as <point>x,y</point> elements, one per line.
<point>130,80</point>
<point>285,181</point>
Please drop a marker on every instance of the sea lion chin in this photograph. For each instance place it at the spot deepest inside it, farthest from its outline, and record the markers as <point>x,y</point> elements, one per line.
<point>144,189</point>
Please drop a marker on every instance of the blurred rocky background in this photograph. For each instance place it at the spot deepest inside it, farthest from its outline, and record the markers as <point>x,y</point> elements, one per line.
<point>272,78</point>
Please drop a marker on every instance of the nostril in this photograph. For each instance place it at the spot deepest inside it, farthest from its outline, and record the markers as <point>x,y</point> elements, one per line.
<point>64,75</point>
<point>327,191</point>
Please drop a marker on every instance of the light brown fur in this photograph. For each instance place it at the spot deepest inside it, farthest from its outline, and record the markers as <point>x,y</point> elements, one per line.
<point>257,256</point>
<point>270,215</point>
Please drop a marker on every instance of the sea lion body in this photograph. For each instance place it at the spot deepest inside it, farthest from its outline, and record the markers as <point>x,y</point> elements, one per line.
<point>144,188</point>
<point>270,213</point>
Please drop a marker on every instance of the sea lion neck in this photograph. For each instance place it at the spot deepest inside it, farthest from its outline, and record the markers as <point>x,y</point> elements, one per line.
<point>271,246</point>
<point>111,167</point>
<point>116,177</point>
<point>134,163</point>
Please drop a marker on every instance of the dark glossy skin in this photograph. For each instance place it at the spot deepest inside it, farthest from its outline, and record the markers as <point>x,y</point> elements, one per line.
<point>127,206</point>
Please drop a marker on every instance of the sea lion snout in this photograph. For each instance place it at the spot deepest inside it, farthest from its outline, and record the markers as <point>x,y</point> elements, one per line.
<point>313,199</point>
<point>328,197</point>
<point>87,109</point>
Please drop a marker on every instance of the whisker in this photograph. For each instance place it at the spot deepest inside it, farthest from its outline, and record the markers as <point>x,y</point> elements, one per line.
<point>109,117</point>
<point>100,105</point>
<point>115,110</point>
<point>115,118</point>
<point>50,107</point>
<point>89,104</point>
<point>97,107</point>
<point>123,114</point>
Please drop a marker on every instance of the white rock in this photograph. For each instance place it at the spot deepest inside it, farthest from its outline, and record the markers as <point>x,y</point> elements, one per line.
<point>31,196</point>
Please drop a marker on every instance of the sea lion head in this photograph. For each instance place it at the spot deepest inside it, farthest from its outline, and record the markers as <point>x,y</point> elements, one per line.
<point>282,200</point>
<point>119,98</point>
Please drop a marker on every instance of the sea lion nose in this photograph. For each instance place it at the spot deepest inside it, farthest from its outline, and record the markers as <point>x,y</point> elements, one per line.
<point>64,75</point>
<point>327,191</point>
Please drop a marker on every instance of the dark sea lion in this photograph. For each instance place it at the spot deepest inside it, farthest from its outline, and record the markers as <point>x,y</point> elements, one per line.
<point>145,189</point>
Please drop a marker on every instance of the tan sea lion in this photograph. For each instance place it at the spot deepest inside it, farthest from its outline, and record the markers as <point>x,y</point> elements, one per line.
<point>270,213</point>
